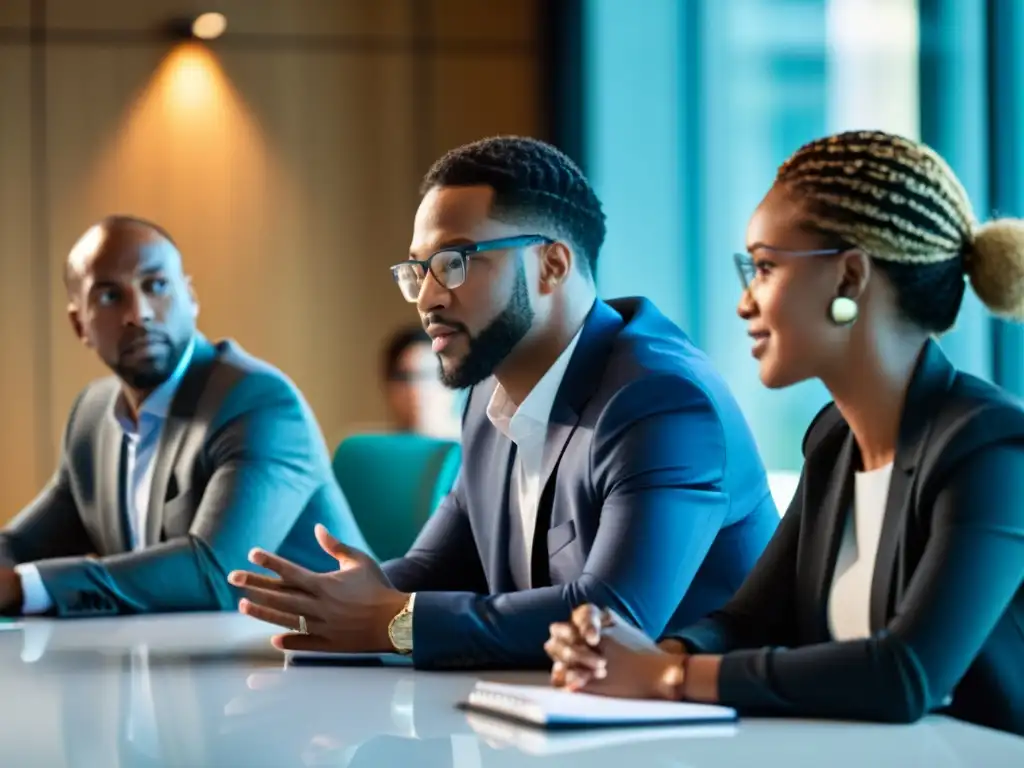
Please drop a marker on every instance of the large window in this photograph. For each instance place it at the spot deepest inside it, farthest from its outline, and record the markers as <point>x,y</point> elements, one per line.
<point>692,105</point>
<point>1005,73</point>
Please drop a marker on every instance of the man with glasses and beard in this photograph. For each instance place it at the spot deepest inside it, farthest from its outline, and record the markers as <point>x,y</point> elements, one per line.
<point>175,467</point>
<point>604,459</point>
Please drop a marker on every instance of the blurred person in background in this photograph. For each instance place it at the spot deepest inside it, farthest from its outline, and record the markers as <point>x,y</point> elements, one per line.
<point>417,401</point>
<point>604,458</point>
<point>895,584</point>
<point>177,465</point>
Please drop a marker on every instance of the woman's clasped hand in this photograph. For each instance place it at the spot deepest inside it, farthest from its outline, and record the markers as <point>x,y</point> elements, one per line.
<point>599,652</point>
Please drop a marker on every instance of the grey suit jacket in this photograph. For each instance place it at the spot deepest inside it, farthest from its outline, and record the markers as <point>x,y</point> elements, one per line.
<point>241,463</point>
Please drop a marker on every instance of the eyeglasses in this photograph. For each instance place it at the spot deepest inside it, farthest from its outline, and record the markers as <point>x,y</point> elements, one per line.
<point>746,266</point>
<point>451,265</point>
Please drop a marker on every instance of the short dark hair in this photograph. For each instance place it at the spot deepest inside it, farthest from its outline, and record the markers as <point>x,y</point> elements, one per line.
<point>395,347</point>
<point>531,180</point>
<point>114,221</point>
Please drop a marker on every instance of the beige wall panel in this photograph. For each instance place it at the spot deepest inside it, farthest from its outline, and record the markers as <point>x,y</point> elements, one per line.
<point>479,96</point>
<point>287,179</point>
<point>15,13</point>
<point>384,18</point>
<point>89,92</point>
<point>514,21</point>
<point>20,340</point>
<point>339,127</point>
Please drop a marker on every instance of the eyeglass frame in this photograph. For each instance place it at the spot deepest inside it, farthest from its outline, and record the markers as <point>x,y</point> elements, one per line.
<point>743,260</point>
<point>467,251</point>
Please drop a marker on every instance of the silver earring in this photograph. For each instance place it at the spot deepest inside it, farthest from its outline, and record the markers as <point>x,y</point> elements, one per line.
<point>843,310</point>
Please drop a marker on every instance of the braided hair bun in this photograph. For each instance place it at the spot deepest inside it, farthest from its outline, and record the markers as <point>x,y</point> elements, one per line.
<point>995,266</point>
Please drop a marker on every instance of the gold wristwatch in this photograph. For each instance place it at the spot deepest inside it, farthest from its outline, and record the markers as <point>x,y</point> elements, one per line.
<point>400,628</point>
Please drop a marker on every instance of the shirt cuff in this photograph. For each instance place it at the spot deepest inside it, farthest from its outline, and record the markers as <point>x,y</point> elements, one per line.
<point>35,597</point>
<point>412,618</point>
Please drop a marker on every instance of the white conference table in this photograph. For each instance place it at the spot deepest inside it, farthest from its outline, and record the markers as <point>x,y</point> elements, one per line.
<point>208,690</point>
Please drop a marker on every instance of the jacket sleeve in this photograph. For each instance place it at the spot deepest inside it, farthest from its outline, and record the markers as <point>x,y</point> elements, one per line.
<point>50,526</point>
<point>661,504</point>
<point>763,610</point>
<point>444,555</point>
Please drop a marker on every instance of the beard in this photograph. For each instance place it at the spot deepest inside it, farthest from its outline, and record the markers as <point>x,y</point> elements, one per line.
<point>147,373</point>
<point>493,344</point>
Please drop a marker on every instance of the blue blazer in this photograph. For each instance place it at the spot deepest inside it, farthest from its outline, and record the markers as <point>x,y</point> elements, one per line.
<point>655,503</point>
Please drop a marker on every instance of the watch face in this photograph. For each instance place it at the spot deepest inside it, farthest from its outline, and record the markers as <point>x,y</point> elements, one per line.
<point>401,632</point>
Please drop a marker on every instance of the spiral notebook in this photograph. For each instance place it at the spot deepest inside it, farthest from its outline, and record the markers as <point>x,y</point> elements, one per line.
<point>551,708</point>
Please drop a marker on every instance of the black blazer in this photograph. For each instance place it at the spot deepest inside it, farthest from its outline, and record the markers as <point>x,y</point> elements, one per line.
<point>947,601</point>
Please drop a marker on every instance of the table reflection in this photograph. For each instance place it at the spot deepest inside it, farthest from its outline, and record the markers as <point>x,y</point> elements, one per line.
<point>213,693</point>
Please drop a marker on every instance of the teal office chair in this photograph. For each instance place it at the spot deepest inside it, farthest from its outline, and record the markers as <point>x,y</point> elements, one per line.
<point>393,483</point>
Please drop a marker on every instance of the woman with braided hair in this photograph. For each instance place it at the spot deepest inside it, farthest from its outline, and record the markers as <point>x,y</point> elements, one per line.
<point>893,586</point>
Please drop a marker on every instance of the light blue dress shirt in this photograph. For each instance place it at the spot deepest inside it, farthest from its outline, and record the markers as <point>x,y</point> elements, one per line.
<point>141,441</point>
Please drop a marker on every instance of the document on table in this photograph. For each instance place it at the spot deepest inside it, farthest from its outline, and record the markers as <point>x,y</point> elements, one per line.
<point>551,708</point>
<point>9,623</point>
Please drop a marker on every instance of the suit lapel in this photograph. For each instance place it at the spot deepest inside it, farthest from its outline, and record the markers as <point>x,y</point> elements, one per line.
<point>180,418</point>
<point>835,509</point>
<point>581,379</point>
<point>933,376</point>
<point>502,454</point>
<point>110,461</point>
<point>893,524</point>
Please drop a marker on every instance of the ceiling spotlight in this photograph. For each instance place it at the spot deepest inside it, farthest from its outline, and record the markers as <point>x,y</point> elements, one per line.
<point>209,26</point>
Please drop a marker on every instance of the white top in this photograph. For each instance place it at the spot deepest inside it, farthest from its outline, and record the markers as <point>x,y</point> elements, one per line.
<point>527,427</point>
<point>849,601</point>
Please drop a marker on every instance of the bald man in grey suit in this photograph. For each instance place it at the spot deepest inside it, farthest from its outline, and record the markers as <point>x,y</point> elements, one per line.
<point>175,467</point>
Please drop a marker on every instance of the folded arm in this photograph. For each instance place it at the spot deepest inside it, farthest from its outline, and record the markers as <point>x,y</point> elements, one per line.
<point>662,504</point>
<point>970,571</point>
<point>48,527</point>
<point>263,474</point>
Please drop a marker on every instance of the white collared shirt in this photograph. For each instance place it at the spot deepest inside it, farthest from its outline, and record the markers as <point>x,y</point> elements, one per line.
<point>527,427</point>
<point>143,440</point>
